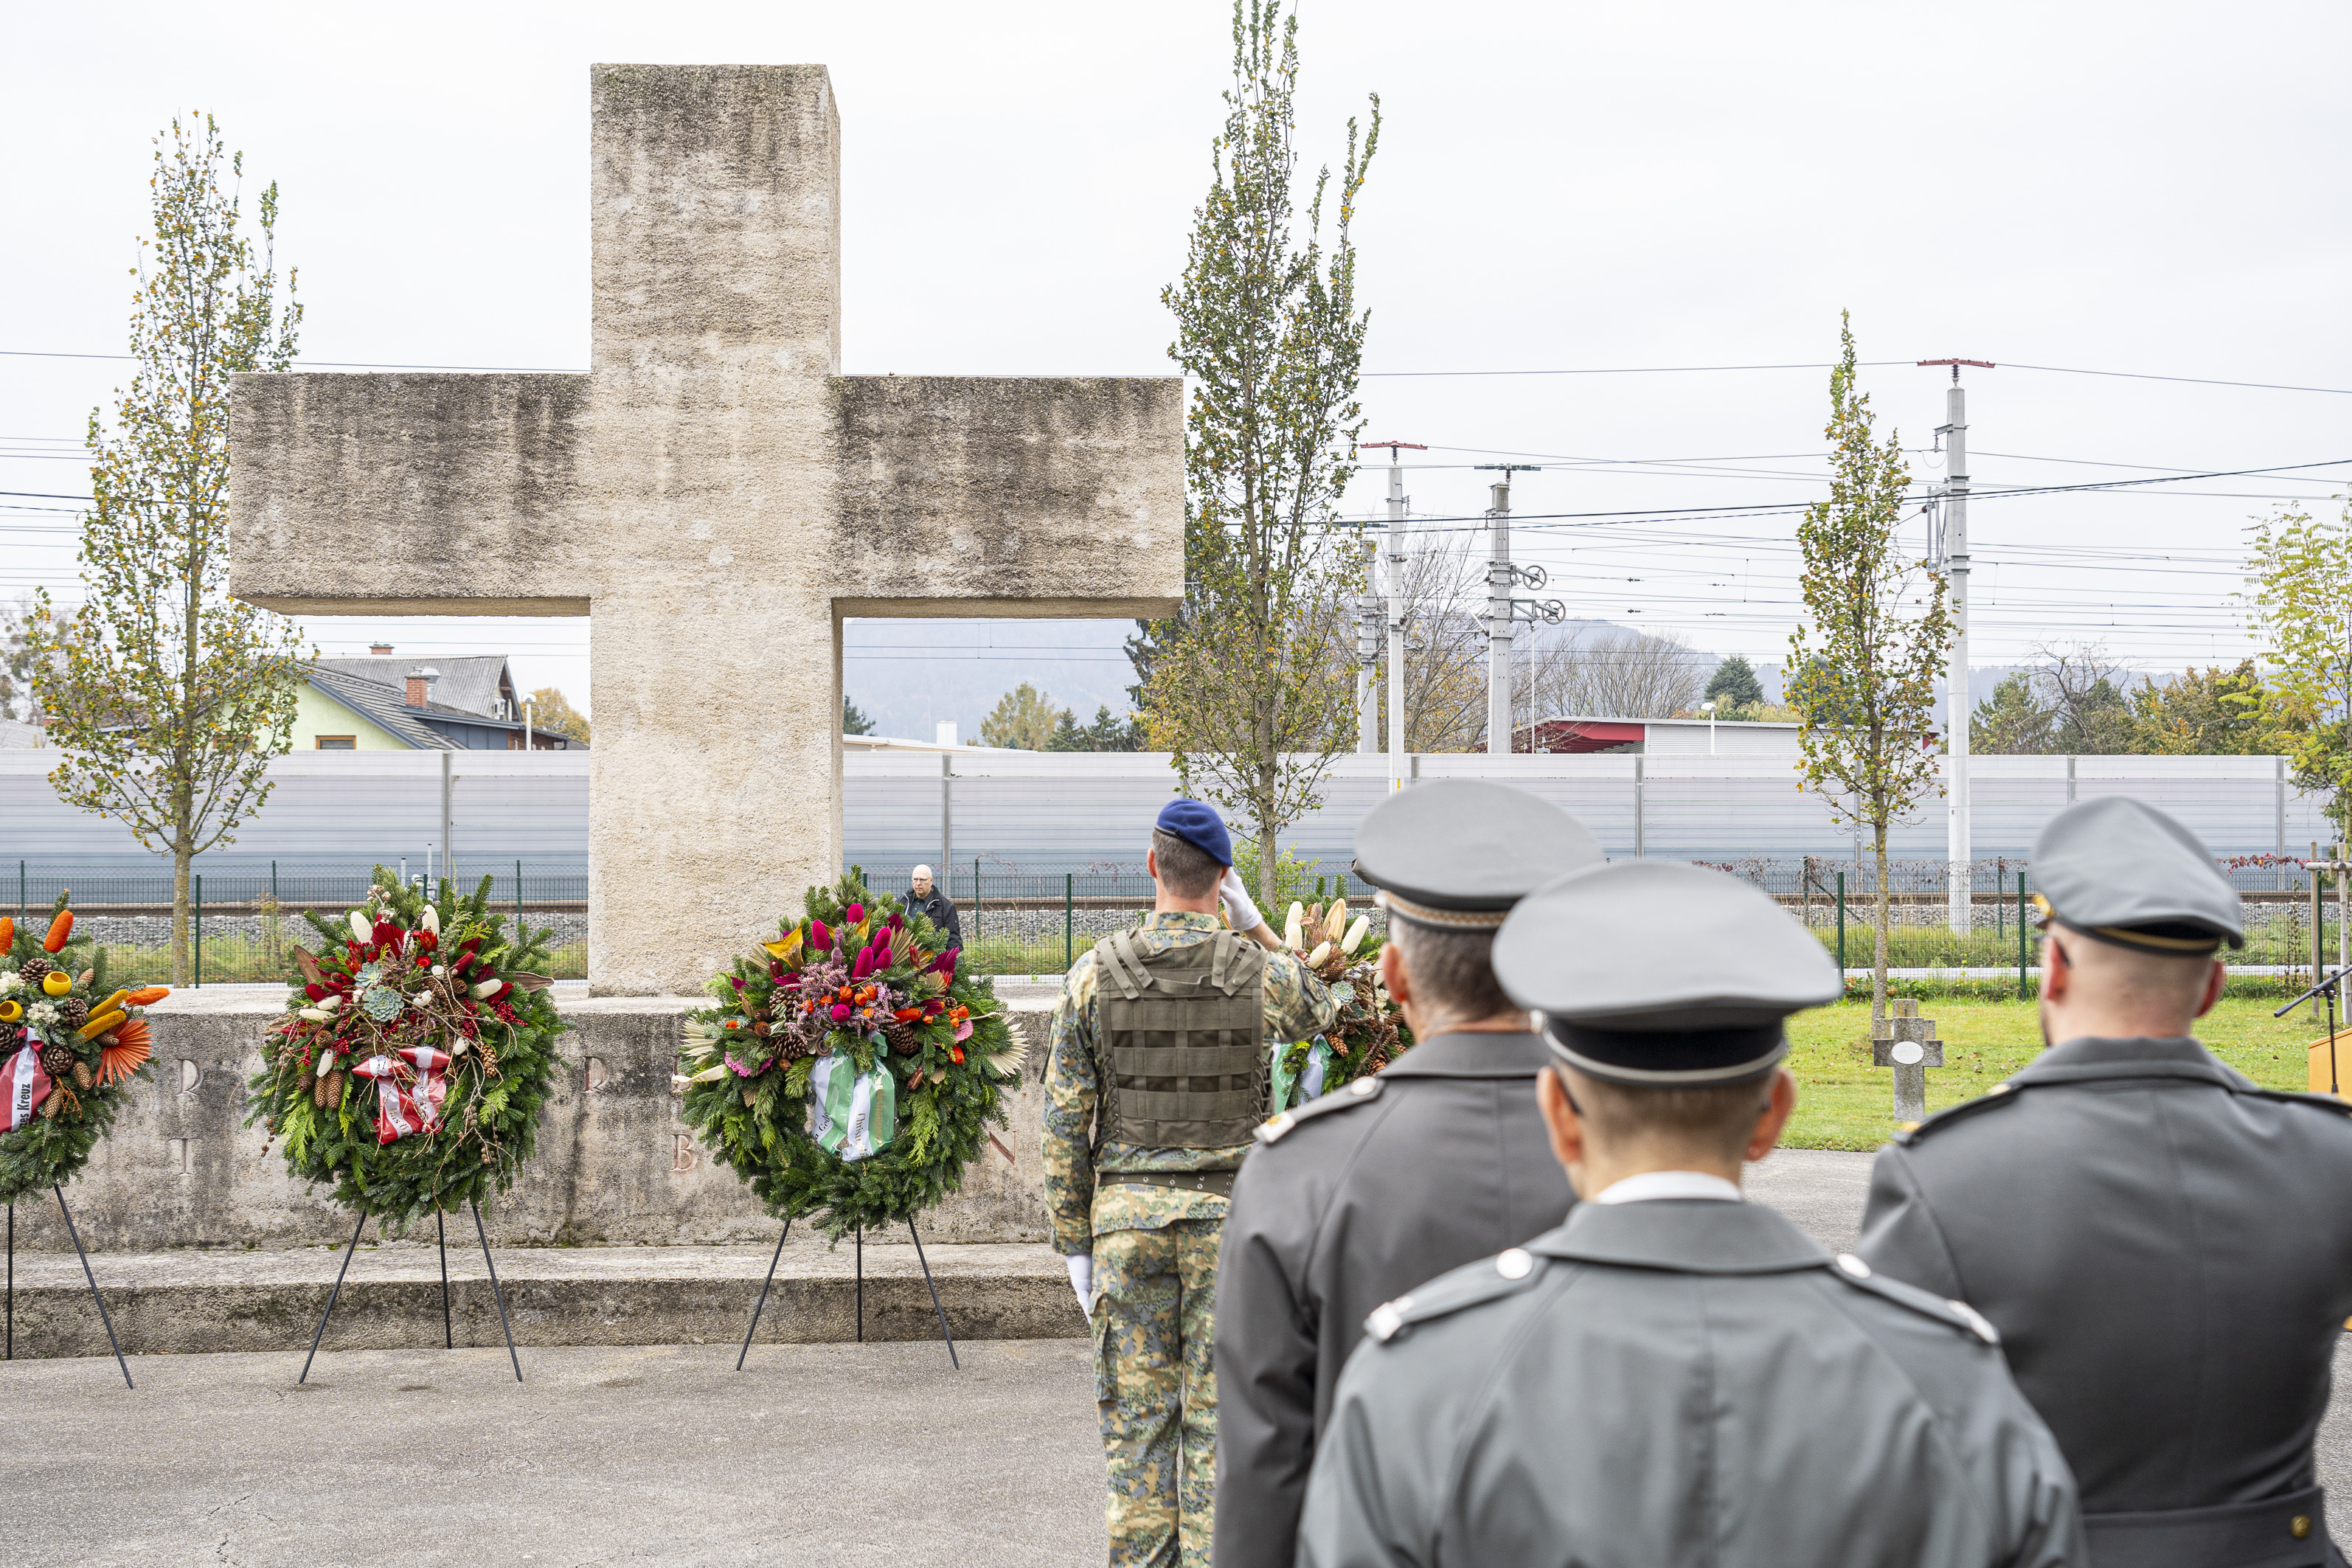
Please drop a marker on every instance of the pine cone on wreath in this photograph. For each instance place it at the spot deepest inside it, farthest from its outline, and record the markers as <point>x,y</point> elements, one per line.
<point>31,971</point>
<point>73,1012</point>
<point>58,1060</point>
<point>901,1036</point>
<point>83,1079</point>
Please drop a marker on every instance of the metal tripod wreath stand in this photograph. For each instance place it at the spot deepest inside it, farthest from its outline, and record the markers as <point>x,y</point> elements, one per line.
<point>929,1284</point>
<point>448,1335</point>
<point>86,1273</point>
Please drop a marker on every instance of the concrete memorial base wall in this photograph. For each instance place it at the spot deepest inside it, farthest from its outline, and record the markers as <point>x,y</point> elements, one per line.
<point>190,1302</point>
<point>615,1166</point>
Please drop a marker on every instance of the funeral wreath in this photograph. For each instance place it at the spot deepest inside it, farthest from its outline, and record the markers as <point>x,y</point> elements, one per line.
<point>1369,1031</point>
<point>851,1068</point>
<point>69,1046</point>
<point>414,1053</point>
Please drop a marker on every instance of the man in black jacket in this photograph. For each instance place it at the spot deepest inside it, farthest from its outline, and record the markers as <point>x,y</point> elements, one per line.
<point>934,905</point>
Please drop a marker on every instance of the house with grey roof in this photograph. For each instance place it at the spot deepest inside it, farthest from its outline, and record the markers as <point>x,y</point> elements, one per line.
<point>385,703</point>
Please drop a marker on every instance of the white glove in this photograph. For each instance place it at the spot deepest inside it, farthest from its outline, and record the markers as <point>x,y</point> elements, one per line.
<point>1082,1281</point>
<point>1237,902</point>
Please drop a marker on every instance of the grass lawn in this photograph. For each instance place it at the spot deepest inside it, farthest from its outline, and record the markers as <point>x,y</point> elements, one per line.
<point>1843,1103</point>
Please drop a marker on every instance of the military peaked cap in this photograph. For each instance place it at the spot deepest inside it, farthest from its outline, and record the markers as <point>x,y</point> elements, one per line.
<point>2123,872</point>
<point>1656,973</point>
<point>1457,854</point>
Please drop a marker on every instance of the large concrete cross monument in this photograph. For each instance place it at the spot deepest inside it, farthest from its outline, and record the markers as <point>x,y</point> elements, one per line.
<point>715,496</point>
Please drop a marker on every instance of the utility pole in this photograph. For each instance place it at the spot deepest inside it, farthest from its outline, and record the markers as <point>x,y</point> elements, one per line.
<point>1502,609</point>
<point>1367,655</point>
<point>1955,555</point>
<point>1395,585</point>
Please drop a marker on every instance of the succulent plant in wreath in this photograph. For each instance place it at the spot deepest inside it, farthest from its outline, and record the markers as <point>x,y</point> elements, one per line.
<point>1369,1031</point>
<point>69,1046</point>
<point>409,1067</point>
<point>851,1068</point>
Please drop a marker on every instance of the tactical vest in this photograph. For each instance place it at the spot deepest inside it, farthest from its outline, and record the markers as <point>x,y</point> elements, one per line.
<point>1181,1055</point>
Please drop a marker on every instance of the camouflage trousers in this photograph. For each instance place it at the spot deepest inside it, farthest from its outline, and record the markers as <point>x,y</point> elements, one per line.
<point>1155,1322</point>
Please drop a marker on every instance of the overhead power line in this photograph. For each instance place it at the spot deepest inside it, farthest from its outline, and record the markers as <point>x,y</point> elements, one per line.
<point>1576,370</point>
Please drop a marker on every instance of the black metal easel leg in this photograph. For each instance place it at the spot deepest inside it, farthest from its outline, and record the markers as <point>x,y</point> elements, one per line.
<point>934,1290</point>
<point>494,1291</point>
<point>448,1336</point>
<point>762,1304</point>
<point>338,1290</point>
<point>11,1282</point>
<point>86,1273</point>
<point>861,1284</point>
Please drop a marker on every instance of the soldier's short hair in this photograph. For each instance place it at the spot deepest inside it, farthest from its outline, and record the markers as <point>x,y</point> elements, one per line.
<point>2159,979</point>
<point>1186,868</point>
<point>1713,1115</point>
<point>1451,971</point>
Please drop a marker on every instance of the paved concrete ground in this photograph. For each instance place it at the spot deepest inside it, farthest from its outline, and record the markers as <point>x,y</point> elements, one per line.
<point>830,1454</point>
<point>841,1454</point>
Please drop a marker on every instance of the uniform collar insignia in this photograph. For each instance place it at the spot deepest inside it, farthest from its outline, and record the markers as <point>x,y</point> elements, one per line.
<point>1689,1238</point>
<point>2089,1057</point>
<point>1474,1054</point>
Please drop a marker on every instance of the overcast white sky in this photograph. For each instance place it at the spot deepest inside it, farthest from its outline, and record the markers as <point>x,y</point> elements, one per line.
<point>2146,188</point>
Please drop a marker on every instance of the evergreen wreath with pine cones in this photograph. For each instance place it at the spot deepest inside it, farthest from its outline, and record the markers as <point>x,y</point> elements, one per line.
<point>852,1069</point>
<point>409,1067</point>
<point>69,1046</point>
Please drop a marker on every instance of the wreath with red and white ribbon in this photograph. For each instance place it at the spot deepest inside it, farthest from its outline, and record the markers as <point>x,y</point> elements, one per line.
<point>412,1059</point>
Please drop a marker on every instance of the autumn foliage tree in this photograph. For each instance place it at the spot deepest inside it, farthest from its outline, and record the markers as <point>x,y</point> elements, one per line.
<point>1863,661</point>
<point>1251,689</point>
<point>168,696</point>
<point>2300,589</point>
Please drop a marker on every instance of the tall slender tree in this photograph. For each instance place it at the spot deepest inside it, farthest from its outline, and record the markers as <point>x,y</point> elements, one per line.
<point>2300,589</point>
<point>1862,663</point>
<point>1251,688</point>
<point>168,696</point>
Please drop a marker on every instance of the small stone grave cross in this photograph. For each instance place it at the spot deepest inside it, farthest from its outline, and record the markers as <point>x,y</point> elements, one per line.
<point>1909,1045</point>
<point>715,496</point>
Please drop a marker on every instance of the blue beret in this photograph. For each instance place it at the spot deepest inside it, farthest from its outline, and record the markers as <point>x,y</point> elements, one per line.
<point>1198,826</point>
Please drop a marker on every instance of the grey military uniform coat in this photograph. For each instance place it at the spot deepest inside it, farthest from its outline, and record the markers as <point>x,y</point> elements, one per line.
<point>1364,1197</point>
<point>2167,1252</point>
<point>1682,1383</point>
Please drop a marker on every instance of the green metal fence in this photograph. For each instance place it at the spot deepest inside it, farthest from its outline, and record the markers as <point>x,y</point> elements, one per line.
<point>1017,920</point>
<point>243,924</point>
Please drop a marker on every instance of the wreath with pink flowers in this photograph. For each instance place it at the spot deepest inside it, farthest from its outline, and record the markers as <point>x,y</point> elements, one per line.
<point>851,1068</point>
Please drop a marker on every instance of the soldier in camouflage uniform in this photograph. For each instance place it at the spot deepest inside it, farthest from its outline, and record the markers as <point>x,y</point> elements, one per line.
<point>1160,1069</point>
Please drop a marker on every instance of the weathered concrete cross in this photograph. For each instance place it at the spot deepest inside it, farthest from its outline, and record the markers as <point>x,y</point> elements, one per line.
<point>715,496</point>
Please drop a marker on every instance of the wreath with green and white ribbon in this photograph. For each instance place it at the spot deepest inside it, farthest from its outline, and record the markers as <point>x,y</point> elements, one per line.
<point>851,1068</point>
<point>1368,1031</point>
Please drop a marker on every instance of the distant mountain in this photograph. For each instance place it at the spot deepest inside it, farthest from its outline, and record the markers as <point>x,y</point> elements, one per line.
<point>910,676</point>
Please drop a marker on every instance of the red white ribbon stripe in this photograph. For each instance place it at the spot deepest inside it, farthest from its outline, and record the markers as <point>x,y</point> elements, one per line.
<point>410,1086</point>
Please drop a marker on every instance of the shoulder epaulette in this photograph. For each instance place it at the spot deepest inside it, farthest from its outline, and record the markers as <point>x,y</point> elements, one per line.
<point>1363,1092</point>
<point>1959,1315</point>
<point>1488,1280</point>
<point>1998,1094</point>
<point>2298,1096</point>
